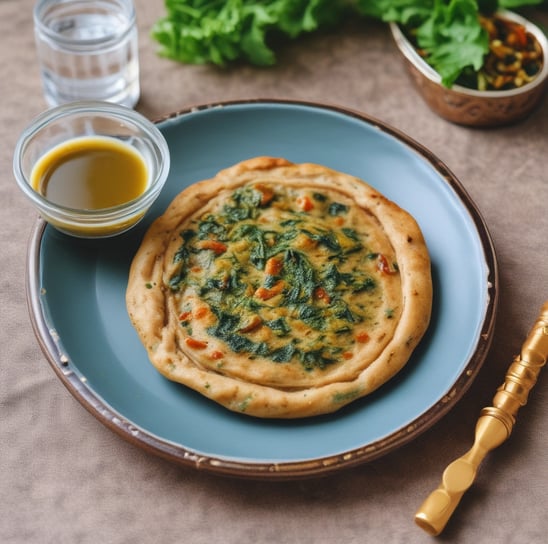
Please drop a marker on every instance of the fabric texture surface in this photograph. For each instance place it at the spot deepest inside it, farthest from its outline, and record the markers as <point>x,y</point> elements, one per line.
<point>65,478</point>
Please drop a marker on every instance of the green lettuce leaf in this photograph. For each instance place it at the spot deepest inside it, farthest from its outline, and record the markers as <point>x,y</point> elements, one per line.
<point>448,31</point>
<point>453,39</point>
<point>404,12</point>
<point>513,4</point>
<point>221,31</point>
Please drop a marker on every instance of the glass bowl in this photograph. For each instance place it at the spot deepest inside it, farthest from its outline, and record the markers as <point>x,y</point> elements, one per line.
<point>85,119</point>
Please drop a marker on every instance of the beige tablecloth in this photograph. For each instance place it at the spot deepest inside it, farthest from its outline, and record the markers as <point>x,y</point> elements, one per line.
<point>65,478</point>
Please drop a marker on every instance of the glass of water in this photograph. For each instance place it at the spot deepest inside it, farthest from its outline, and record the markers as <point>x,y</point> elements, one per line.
<point>88,50</point>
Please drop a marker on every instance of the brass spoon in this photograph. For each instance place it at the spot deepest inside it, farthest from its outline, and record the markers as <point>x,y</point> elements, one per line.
<point>492,429</point>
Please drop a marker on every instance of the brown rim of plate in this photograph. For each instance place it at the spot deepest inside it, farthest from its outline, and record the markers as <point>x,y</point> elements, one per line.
<point>274,470</point>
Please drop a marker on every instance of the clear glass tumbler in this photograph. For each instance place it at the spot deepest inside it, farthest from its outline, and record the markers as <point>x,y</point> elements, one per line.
<point>88,50</point>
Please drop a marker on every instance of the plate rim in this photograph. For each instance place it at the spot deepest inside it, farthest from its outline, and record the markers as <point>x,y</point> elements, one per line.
<point>275,470</point>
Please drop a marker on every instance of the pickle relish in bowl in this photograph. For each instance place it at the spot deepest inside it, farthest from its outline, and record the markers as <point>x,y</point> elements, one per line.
<point>509,85</point>
<point>92,169</point>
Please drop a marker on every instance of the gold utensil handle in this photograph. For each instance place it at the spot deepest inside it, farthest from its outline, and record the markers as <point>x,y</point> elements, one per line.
<point>494,426</point>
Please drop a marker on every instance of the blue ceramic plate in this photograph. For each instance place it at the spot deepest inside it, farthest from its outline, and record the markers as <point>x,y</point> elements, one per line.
<point>76,292</point>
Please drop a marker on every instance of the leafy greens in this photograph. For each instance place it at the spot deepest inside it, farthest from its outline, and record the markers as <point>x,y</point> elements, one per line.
<point>222,31</point>
<point>447,31</point>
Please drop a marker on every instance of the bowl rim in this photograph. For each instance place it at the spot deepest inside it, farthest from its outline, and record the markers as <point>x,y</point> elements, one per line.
<point>410,53</point>
<point>77,216</point>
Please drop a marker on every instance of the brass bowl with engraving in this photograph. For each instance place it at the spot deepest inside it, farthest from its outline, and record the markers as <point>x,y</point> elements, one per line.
<point>470,107</point>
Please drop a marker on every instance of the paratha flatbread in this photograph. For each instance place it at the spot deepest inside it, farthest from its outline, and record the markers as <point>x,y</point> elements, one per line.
<point>281,290</point>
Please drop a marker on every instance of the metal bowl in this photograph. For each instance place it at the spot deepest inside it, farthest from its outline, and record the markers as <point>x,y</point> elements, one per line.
<point>473,107</point>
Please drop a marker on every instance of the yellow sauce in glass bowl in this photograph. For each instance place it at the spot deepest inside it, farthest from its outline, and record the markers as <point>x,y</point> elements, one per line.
<point>90,173</point>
